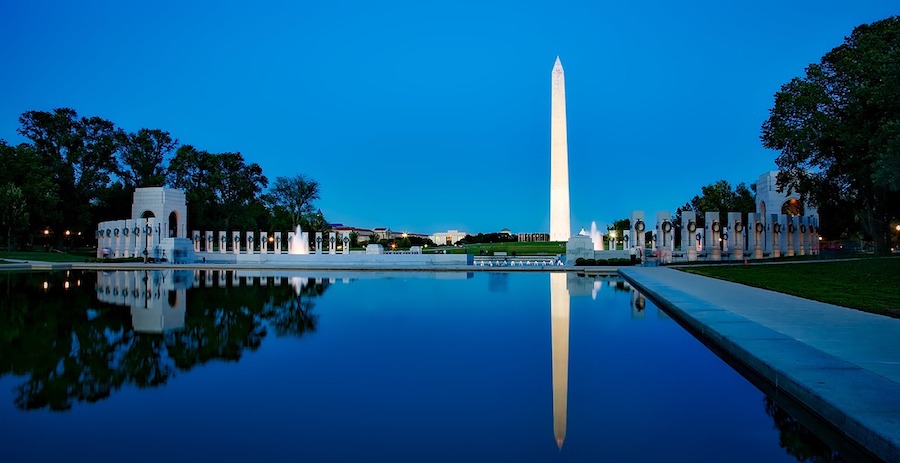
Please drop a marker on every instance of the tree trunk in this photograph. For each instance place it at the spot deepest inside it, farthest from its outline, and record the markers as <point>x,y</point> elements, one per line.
<point>877,229</point>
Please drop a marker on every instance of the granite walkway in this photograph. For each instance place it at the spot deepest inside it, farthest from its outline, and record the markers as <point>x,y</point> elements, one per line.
<point>841,363</point>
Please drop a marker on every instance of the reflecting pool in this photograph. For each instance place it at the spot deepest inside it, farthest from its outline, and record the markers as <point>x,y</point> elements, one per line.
<point>248,366</point>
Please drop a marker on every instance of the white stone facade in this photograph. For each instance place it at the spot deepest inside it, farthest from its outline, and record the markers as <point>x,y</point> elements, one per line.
<point>157,228</point>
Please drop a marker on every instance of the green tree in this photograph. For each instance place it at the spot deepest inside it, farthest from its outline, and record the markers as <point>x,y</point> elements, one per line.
<point>142,157</point>
<point>222,190</point>
<point>720,197</point>
<point>80,155</point>
<point>295,195</point>
<point>23,168</point>
<point>195,172</point>
<point>13,211</point>
<point>838,129</point>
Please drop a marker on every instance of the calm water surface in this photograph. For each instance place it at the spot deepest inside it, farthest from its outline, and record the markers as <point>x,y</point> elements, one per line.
<point>238,366</point>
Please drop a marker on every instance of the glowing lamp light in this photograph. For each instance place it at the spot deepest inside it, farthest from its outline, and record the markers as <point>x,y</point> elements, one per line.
<point>612,233</point>
<point>271,239</point>
<point>897,228</point>
<point>66,285</point>
<point>46,285</point>
<point>68,233</point>
<point>46,232</point>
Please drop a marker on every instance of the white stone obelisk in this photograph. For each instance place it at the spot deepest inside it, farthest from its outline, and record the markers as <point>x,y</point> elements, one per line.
<point>560,229</point>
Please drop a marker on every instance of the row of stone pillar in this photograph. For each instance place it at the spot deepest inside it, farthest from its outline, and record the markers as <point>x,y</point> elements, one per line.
<point>261,242</point>
<point>127,238</point>
<point>775,235</point>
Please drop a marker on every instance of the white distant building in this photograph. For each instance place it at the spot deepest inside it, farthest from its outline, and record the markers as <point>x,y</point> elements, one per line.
<point>448,238</point>
<point>770,201</point>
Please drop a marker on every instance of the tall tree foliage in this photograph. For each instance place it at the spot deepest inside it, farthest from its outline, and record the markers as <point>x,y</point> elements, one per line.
<point>721,197</point>
<point>22,168</point>
<point>80,153</point>
<point>13,211</point>
<point>142,157</point>
<point>838,129</point>
<point>295,195</point>
<point>222,190</point>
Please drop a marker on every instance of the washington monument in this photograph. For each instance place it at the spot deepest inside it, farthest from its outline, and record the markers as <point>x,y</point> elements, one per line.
<point>560,230</point>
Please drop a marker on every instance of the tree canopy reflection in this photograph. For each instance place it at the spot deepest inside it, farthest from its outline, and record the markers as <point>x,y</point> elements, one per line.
<point>69,347</point>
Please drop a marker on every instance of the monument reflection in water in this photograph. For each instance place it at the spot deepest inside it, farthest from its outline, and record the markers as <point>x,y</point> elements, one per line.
<point>158,299</point>
<point>441,359</point>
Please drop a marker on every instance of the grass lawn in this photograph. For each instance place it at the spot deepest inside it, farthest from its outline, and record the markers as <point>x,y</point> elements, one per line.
<point>870,284</point>
<point>44,256</point>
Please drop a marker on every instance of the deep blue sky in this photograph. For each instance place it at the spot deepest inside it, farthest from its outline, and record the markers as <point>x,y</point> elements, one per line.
<point>428,117</point>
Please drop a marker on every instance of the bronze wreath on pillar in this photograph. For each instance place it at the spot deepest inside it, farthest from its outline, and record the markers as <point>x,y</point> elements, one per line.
<point>759,227</point>
<point>776,228</point>
<point>802,228</point>
<point>666,226</point>
<point>738,226</point>
<point>715,226</point>
<point>791,228</point>
<point>692,227</point>
<point>639,225</point>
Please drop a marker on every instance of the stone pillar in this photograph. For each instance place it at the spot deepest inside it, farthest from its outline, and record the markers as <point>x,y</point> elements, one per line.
<point>332,243</point>
<point>688,230</point>
<point>736,237</point>
<point>318,242</point>
<point>791,235</point>
<point>250,242</point>
<point>713,231</point>
<point>114,243</point>
<point>346,247</point>
<point>208,241</point>
<point>775,230</point>
<point>758,232</point>
<point>236,242</point>
<point>278,243</point>
<point>195,237</point>
<point>263,242</point>
<point>638,228</point>
<point>666,231</point>
<point>802,235</point>
<point>128,231</point>
<point>223,242</point>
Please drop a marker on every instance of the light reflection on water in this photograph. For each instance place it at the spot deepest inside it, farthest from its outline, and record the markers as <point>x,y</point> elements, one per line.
<point>350,367</point>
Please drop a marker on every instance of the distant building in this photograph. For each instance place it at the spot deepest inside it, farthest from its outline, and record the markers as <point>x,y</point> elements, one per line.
<point>382,233</point>
<point>533,237</point>
<point>506,231</point>
<point>448,238</point>
<point>362,234</point>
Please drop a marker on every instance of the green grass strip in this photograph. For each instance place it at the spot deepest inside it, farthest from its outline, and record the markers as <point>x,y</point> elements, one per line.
<point>871,284</point>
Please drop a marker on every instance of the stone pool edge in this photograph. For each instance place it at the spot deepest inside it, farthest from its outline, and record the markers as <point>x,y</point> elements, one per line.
<point>792,367</point>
